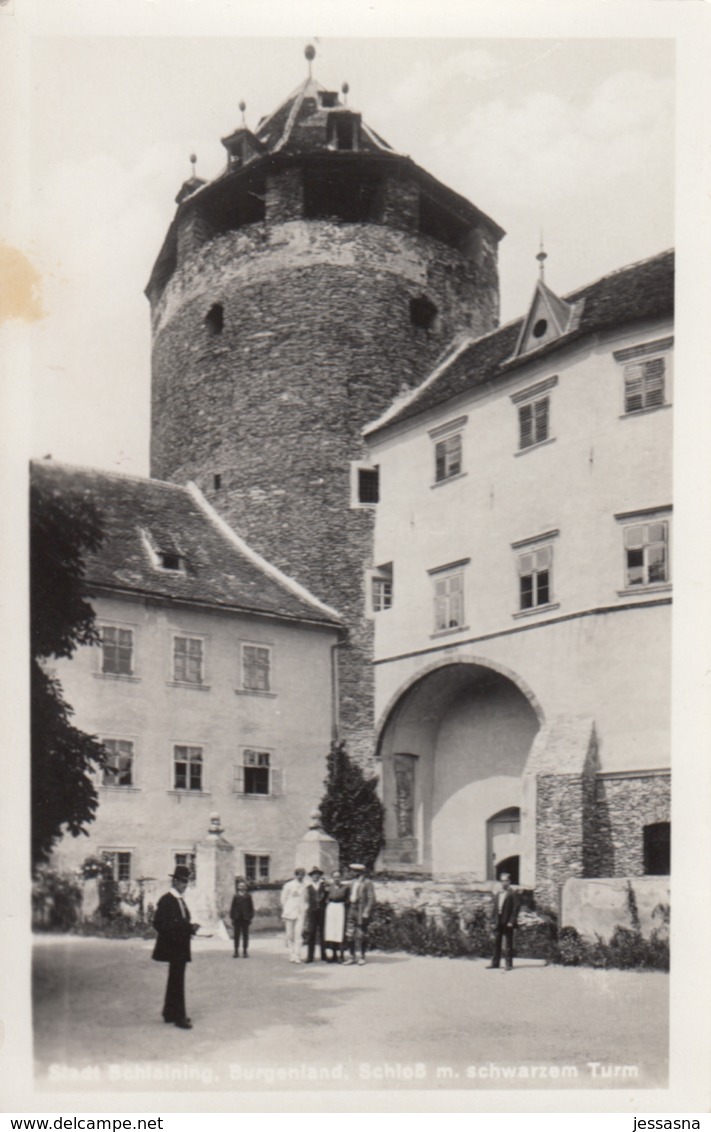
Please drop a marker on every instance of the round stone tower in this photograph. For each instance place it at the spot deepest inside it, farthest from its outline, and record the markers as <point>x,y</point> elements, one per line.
<point>295,296</point>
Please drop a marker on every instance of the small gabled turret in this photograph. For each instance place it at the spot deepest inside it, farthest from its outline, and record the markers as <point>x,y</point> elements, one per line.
<point>549,317</point>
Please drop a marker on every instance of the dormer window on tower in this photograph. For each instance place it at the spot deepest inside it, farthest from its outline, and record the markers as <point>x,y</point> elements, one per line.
<point>327,99</point>
<point>343,130</point>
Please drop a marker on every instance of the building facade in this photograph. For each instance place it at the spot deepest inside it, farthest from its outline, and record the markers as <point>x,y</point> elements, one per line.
<point>521,594</point>
<point>211,688</point>
<point>294,296</point>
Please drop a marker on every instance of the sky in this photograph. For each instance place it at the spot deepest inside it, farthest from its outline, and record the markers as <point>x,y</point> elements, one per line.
<point>571,138</point>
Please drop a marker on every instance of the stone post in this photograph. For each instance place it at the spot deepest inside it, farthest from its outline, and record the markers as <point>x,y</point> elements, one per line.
<point>317,848</point>
<point>209,901</point>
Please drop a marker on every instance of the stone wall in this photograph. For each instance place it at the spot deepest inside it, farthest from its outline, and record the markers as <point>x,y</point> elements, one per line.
<point>624,805</point>
<point>434,897</point>
<point>596,907</point>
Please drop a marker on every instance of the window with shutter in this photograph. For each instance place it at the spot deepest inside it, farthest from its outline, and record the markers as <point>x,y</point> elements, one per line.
<point>533,422</point>
<point>448,458</point>
<point>256,668</point>
<point>448,601</point>
<point>644,384</point>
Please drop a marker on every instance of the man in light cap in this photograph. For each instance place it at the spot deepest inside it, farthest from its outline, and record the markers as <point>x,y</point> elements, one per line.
<point>292,913</point>
<point>172,922</point>
<point>316,894</point>
<point>360,909</point>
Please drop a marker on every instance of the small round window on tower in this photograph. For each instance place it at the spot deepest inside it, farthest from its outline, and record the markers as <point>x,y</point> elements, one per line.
<point>540,328</point>
<point>215,319</point>
<point>423,313</point>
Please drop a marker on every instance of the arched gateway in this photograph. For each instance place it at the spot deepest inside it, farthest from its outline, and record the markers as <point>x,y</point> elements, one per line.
<point>453,747</point>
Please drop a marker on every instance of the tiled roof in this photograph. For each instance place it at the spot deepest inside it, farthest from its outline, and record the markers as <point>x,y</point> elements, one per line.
<point>299,124</point>
<point>141,516</point>
<point>635,293</point>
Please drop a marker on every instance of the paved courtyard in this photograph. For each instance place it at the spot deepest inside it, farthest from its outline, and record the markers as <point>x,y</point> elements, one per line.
<point>401,1021</point>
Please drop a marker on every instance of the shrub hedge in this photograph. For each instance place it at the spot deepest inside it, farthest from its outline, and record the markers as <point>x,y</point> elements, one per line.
<point>418,933</point>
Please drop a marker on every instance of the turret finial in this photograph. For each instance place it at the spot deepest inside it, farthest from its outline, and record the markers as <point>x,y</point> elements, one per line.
<point>344,91</point>
<point>243,107</point>
<point>310,54</point>
<point>542,257</point>
<point>193,162</point>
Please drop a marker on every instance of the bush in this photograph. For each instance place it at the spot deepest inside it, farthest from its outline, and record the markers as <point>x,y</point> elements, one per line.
<point>119,926</point>
<point>627,949</point>
<point>537,937</point>
<point>56,900</point>
<point>351,810</point>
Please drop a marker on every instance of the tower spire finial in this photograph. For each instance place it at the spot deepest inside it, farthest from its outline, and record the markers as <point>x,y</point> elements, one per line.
<point>542,257</point>
<point>310,53</point>
<point>193,162</point>
<point>243,107</point>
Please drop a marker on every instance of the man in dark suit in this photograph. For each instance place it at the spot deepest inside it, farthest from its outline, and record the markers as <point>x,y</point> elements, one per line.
<point>315,894</point>
<point>506,906</point>
<point>172,922</point>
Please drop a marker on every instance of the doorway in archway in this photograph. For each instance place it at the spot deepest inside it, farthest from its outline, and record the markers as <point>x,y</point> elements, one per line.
<point>504,836</point>
<point>508,865</point>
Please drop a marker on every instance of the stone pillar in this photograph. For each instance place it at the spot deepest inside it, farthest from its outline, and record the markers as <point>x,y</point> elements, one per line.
<point>558,798</point>
<point>317,848</point>
<point>209,901</point>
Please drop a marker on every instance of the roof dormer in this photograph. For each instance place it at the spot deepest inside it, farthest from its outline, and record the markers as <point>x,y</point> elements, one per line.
<point>549,317</point>
<point>242,146</point>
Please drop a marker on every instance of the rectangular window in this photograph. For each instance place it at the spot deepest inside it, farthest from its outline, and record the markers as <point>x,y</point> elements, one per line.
<point>382,588</point>
<point>118,768</point>
<point>533,422</point>
<point>449,601</point>
<point>535,577</point>
<point>120,862</point>
<point>256,867</point>
<point>188,660</point>
<point>187,768</point>
<point>647,553</point>
<point>256,668</point>
<point>256,772</point>
<point>644,384</point>
<point>368,485</point>
<point>448,457</point>
<point>188,860</point>
<point>116,650</point>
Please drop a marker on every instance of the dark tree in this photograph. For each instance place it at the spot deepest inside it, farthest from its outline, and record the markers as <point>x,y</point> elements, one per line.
<point>63,527</point>
<point>351,810</point>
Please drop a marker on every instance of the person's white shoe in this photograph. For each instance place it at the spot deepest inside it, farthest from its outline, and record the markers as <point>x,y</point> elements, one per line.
<point>361,962</point>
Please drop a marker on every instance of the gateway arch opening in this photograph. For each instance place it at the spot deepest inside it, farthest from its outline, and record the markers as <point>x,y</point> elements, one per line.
<point>454,748</point>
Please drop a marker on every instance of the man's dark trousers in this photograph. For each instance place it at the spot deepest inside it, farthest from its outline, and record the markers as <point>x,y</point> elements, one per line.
<point>174,1005</point>
<point>501,934</point>
<point>315,934</point>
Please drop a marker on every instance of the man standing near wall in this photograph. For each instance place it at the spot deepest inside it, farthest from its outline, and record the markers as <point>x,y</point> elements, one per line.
<point>292,913</point>
<point>506,906</point>
<point>315,901</point>
<point>360,909</point>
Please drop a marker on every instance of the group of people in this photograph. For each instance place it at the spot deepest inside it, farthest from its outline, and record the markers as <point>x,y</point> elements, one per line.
<point>333,915</point>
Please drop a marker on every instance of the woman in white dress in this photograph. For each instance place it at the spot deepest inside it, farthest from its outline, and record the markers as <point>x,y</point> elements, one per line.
<point>335,924</point>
